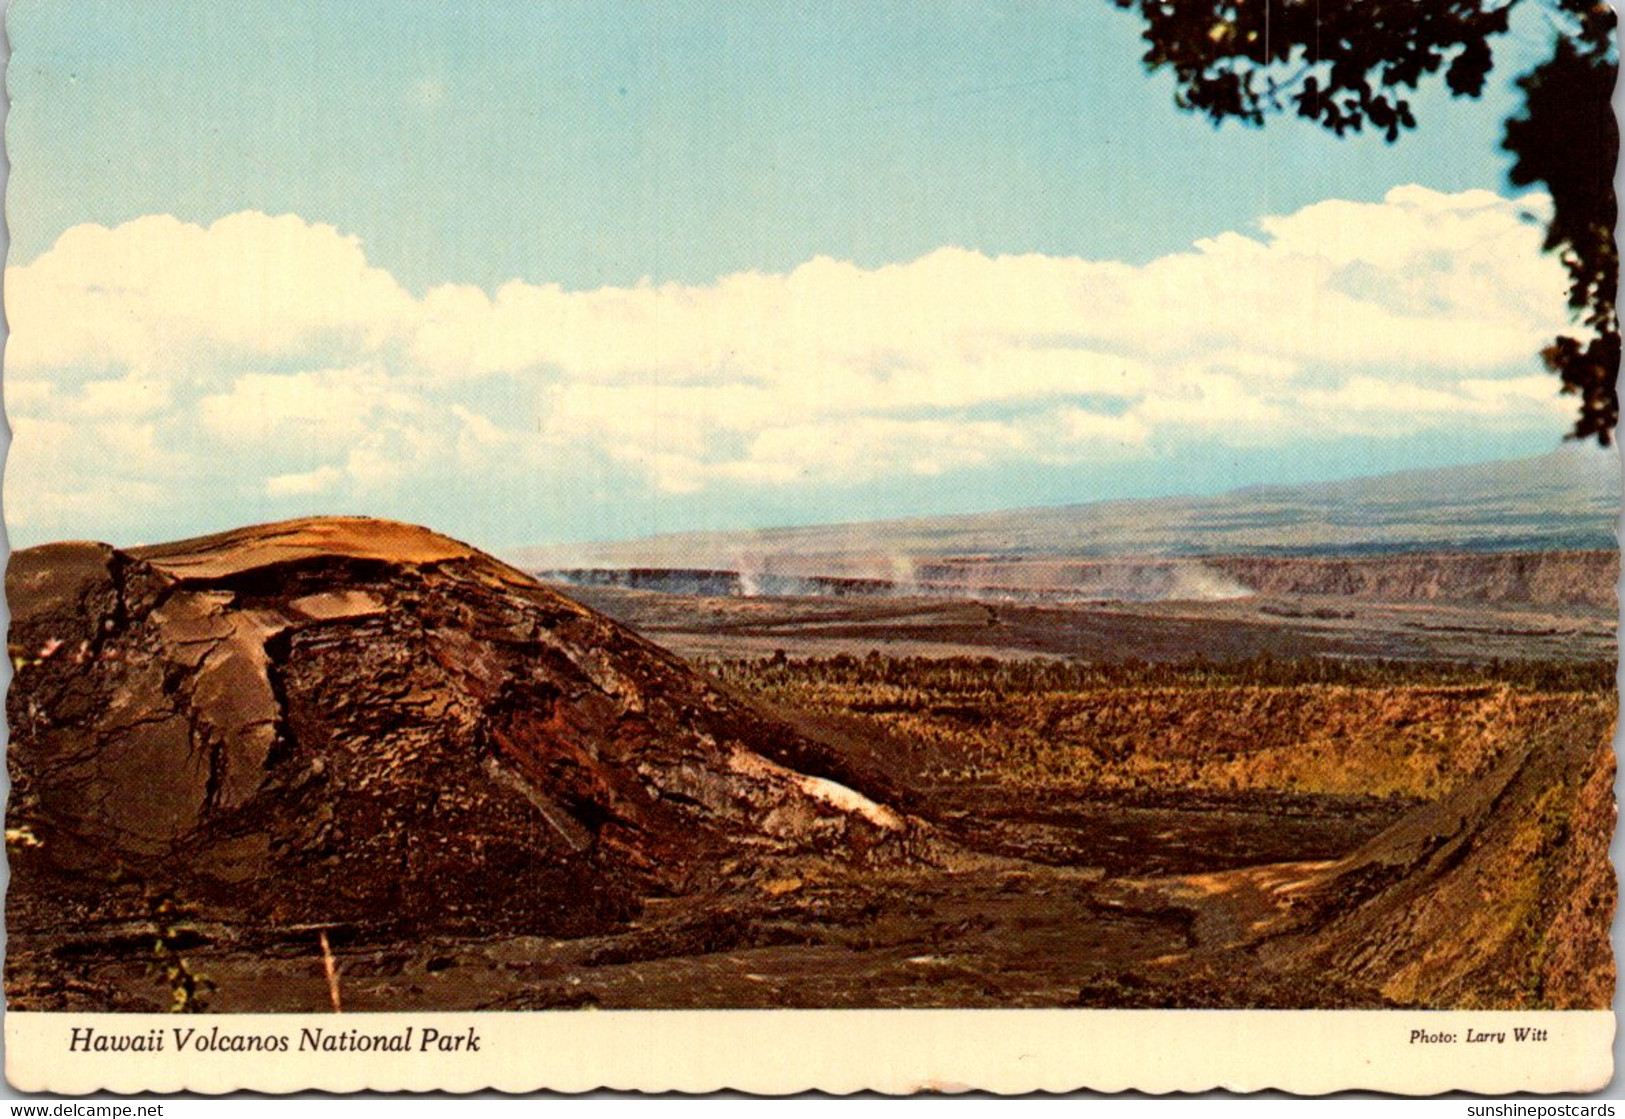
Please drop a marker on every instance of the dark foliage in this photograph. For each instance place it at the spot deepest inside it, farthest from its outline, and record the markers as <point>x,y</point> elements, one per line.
<point>1568,139</point>
<point>1346,63</point>
<point>988,675</point>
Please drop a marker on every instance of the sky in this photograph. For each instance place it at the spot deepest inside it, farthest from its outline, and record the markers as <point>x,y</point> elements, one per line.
<point>534,273</point>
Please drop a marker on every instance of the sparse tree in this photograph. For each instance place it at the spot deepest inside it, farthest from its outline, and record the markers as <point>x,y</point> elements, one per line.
<point>1346,64</point>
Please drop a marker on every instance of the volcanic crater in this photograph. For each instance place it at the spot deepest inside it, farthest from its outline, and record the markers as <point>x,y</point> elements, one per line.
<point>475,792</point>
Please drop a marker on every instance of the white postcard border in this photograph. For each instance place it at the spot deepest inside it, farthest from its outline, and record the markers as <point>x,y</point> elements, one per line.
<point>784,1051</point>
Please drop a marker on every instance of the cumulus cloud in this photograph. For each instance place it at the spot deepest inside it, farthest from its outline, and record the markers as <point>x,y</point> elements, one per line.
<point>160,297</point>
<point>266,359</point>
<point>321,480</point>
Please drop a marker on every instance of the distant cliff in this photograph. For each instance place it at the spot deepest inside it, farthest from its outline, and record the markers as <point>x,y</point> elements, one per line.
<point>1555,579</point>
<point>1533,578</point>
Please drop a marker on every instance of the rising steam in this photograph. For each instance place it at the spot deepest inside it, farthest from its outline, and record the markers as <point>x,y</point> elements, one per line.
<point>993,579</point>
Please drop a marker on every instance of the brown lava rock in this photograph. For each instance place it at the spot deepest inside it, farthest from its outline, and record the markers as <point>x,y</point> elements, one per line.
<point>358,722</point>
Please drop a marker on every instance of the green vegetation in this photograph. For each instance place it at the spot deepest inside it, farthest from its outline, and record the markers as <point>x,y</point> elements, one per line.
<point>991,675</point>
<point>1382,728</point>
<point>1346,65</point>
<point>188,990</point>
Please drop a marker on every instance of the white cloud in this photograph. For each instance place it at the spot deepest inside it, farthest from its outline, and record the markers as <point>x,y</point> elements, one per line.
<point>63,473</point>
<point>157,296</point>
<point>1095,431</point>
<point>1217,403</point>
<point>1374,406</point>
<point>133,394</point>
<point>266,356</point>
<point>321,480</point>
<point>872,446</point>
<point>321,407</point>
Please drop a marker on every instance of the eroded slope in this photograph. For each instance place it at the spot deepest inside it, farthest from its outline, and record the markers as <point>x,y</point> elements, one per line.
<point>359,722</point>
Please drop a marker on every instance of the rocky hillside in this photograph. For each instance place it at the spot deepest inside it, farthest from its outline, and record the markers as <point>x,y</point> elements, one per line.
<point>1499,895</point>
<point>1567,500</point>
<point>361,722</point>
<point>1555,579</point>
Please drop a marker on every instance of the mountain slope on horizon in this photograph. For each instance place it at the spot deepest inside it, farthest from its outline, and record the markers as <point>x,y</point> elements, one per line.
<point>1566,499</point>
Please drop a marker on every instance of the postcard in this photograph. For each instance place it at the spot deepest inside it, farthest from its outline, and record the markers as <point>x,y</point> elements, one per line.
<point>902,546</point>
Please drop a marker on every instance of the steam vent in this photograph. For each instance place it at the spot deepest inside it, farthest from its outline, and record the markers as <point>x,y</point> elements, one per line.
<point>362,722</point>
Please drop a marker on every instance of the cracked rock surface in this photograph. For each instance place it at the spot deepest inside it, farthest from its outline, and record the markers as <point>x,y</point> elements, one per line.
<point>349,721</point>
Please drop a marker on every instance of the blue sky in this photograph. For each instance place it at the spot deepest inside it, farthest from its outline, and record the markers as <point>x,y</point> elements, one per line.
<point>559,271</point>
